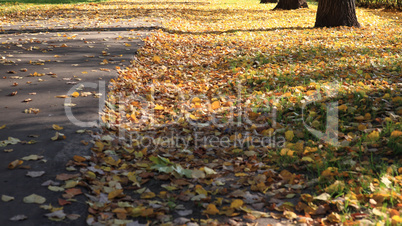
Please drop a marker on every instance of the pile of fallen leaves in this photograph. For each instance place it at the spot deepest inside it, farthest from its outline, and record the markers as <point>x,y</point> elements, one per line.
<point>234,113</point>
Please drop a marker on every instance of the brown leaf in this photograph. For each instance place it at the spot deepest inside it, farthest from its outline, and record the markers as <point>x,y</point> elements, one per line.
<point>65,176</point>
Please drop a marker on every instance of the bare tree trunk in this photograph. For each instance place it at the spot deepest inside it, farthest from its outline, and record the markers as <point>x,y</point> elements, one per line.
<point>291,4</point>
<point>334,13</point>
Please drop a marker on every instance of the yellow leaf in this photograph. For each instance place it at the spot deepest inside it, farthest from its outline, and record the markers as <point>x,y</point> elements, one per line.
<point>337,186</point>
<point>241,174</point>
<point>193,117</point>
<point>307,159</point>
<point>334,218</point>
<point>343,107</point>
<point>99,145</point>
<point>159,107</point>
<point>196,100</point>
<point>268,132</point>
<point>289,135</point>
<point>75,94</point>
<point>309,150</point>
<point>148,195</point>
<point>286,151</point>
<point>113,194</point>
<point>156,59</point>
<point>289,214</point>
<point>3,126</point>
<point>237,203</point>
<point>211,210</point>
<point>56,127</point>
<point>373,136</point>
<point>359,118</point>
<point>361,127</point>
<point>200,190</point>
<point>396,219</point>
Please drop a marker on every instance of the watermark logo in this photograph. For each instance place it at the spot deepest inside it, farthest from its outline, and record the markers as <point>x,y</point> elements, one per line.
<point>238,116</point>
<point>330,136</point>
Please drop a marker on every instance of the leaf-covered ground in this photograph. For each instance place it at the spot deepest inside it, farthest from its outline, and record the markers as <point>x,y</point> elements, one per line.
<point>233,113</point>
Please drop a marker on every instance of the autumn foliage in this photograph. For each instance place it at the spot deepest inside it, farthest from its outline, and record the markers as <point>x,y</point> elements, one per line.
<point>240,72</point>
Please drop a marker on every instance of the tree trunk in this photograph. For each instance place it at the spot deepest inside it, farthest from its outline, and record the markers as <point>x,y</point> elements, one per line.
<point>291,4</point>
<point>268,1</point>
<point>334,13</point>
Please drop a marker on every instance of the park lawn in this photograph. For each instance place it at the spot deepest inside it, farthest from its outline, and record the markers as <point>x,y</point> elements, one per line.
<point>232,110</point>
<point>221,76</point>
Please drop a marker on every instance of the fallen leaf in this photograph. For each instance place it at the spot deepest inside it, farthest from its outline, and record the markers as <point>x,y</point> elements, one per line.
<point>323,197</point>
<point>78,158</point>
<point>15,163</point>
<point>32,157</point>
<point>116,193</point>
<point>35,173</point>
<point>34,198</point>
<point>61,96</point>
<point>63,202</point>
<point>211,210</point>
<point>73,216</point>
<point>19,217</point>
<point>55,188</point>
<point>56,215</point>
<point>75,94</point>
<point>56,127</point>
<point>236,204</point>
<point>6,198</point>
<point>66,176</point>
<point>58,136</point>
<point>289,135</point>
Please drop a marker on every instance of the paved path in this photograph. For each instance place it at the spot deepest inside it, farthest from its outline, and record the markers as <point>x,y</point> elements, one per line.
<point>39,61</point>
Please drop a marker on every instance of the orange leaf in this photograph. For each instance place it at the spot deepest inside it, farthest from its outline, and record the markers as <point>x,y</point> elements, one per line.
<point>78,158</point>
<point>75,94</point>
<point>15,163</point>
<point>63,202</point>
<point>216,105</point>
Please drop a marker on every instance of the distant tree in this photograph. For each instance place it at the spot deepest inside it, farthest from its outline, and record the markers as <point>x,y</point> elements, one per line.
<point>291,4</point>
<point>334,13</point>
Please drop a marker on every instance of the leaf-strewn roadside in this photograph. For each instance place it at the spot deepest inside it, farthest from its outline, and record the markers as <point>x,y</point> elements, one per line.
<point>185,127</point>
<point>233,113</point>
<point>219,120</point>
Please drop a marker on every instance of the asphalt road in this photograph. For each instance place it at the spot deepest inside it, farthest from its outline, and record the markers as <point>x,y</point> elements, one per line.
<point>39,62</point>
